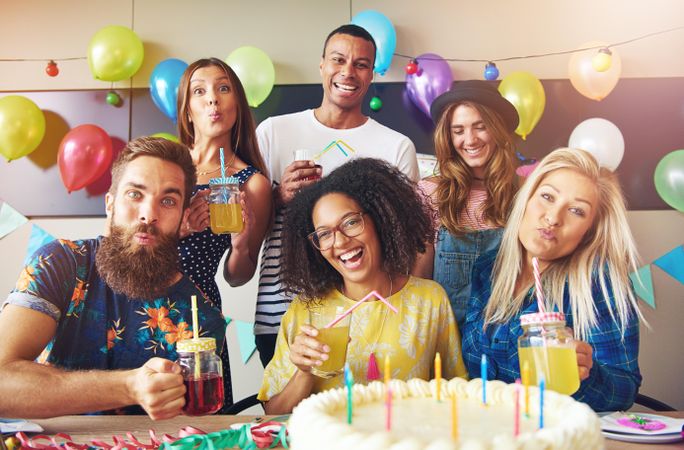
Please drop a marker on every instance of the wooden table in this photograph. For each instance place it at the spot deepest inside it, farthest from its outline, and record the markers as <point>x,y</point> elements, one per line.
<point>83,429</point>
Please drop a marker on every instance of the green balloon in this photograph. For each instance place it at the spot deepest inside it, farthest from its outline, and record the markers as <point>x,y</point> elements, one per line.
<point>22,126</point>
<point>115,53</point>
<point>255,71</point>
<point>669,179</point>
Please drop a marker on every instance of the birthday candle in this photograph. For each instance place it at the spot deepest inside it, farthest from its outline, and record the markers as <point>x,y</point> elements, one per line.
<point>516,419</point>
<point>526,382</point>
<point>388,374</point>
<point>483,375</point>
<point>438,375</point>
<point>541,403</point>
<point>454,418</point>
<point>348,380</point>
<point>388,404</point>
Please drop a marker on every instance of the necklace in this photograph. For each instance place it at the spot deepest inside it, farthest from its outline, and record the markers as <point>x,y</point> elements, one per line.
<point>207,172</point>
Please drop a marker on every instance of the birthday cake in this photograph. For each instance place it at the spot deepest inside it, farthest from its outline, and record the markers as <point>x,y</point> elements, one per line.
<point>418,421</point>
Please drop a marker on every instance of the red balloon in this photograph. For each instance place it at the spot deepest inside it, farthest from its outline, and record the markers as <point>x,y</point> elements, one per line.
<point>84,155</point>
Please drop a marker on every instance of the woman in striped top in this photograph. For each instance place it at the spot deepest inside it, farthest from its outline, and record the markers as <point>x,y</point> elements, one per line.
<point>474,189</point>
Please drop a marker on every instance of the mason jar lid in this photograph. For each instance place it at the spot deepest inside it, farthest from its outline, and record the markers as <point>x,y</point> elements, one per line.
<point>543,318</point>
<point>196,345</point>
<point>226,180</point>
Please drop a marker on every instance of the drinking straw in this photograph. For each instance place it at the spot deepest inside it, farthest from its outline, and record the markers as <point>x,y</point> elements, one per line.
<point>438,375</point>
<point>195,334</point>
<point>526,382</point>
<point>349,381</point>
<point>541,403</point>
<point>454,417</point>
<point>483,375</point>
<point>223,166</point>
<point>349,311</point>
<point>516,418</point>
<point>538,285</point>
<point>388,374</point>
<point>388,409</point>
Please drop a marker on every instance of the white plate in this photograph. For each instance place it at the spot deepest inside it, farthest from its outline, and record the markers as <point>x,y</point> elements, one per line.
<point>644,439</point>
<point>609,423</point>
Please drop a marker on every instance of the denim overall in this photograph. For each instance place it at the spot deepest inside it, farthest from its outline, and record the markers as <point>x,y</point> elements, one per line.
<point>454,259</point>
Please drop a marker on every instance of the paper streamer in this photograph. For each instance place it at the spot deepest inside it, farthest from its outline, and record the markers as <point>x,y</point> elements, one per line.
<point>38,238</point>
<point>673,263</point>
<point>644,288</point>
<point>10,219</point>
<point>245,332</point>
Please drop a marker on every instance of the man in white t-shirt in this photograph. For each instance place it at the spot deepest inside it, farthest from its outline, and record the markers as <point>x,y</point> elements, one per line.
<point>330,134</point>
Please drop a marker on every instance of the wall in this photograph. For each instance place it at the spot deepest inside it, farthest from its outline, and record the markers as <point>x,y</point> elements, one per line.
<point>291,32</point>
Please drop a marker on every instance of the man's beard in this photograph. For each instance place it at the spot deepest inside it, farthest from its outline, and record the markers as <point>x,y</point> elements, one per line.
<point>138,271</point>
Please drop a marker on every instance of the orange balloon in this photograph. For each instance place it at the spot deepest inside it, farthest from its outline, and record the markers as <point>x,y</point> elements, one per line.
<point>586,79</point>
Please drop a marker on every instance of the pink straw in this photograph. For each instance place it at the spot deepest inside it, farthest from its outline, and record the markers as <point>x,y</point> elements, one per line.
<point>349,311</point>
<point>538,285</point>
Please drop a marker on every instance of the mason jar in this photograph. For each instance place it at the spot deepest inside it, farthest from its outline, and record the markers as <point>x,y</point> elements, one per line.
<point>225,211</point>
<point>202,376</point>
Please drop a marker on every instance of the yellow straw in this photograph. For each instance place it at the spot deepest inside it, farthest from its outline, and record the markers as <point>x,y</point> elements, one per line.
<point>195,334</point>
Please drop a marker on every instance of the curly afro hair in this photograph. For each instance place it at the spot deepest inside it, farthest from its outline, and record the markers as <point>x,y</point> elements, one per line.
<point>387,196</point>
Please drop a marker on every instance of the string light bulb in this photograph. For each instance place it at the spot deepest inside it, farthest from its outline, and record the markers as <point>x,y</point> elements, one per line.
<point>375,104</point>
<point>602,60</point>
<point>491,72</point>
<point>412,67</point>
<point>113,98</point>
<point>51,69</point>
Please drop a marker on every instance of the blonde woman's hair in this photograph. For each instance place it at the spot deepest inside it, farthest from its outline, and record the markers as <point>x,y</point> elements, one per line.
<point>606,254</point>
<point>456,177</point>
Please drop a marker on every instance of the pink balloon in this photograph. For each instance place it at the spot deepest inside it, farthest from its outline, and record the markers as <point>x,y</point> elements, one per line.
<point>432,79</point>
<point>84,155</point>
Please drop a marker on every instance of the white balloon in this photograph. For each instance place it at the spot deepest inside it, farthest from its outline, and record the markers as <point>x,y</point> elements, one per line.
<point>601,138</point>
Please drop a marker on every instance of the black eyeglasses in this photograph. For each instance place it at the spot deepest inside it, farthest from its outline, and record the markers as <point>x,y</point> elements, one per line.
<point>351,226</point>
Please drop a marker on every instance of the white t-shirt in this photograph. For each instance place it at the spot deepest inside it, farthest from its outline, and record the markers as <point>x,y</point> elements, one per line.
<point>279,137</point>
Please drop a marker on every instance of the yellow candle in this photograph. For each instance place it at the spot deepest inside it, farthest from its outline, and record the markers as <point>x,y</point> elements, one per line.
<point>454,417</point>
<point>388,374</point>
<point>438,375</point>
<point>526,382</point>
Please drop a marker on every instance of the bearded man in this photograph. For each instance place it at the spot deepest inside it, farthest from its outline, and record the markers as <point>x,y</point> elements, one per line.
<point>92,325</point>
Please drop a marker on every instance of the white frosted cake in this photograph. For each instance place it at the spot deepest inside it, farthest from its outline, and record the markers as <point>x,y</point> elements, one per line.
<point>419,421</point>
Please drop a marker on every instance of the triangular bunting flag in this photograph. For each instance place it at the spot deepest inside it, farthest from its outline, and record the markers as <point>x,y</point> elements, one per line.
<point>38,238</point>
<point>228,320</point>
<point>245,332</point>
<point>673,263</point>
<point>644,289</point>
<point>10,219</point>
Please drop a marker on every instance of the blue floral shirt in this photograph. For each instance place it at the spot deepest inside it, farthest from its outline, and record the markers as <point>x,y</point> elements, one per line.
<point>98,328</point>
<point>614,379</point>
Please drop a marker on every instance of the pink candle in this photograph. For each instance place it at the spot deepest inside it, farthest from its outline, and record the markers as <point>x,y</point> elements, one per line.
<point>516,419</point>
<point>388,405</point>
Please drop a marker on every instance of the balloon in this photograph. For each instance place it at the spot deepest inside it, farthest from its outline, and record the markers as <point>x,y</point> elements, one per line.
<point>22,126</point>
<point>587,80</point>
<point>527,94</point>
<point>382,30</point>
<point>167,136</point>
<point>433,78</point>
<point>601,138</point>
<point>115,53</point>
<point>669,179</point>
<point>164,83</point>
<point>255,71</point>
<point>84,155</point>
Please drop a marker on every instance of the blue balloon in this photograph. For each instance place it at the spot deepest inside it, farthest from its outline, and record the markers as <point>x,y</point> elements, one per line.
<point>384,35</point>
<point>164,83</point>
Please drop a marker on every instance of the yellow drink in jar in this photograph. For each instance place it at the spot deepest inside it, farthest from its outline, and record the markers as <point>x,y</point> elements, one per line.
<point>336,338</point>
<point>225,218</point>
<point>558,365</point>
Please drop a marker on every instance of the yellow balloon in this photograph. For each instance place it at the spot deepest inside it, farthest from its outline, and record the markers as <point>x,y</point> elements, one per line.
<point>115,53</point>
<point>586,79</point>
<point>255,71</point>
<point>22,126</point>
<point>527,94</point>
<point>167,136</point>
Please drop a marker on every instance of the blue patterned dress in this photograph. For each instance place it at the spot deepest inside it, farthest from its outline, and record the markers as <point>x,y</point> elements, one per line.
<point>200,255</point>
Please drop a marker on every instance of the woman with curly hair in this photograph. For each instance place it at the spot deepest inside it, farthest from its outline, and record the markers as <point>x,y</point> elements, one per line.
<point>473,192</point>
<point>571,216</point>
<point>359,230</point>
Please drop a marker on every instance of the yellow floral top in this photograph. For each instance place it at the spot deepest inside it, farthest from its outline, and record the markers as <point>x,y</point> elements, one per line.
<point>423,326</point>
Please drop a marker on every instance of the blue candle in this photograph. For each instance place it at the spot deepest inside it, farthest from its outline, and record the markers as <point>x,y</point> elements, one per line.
<point>349,381</point>
<point>483,375</point>
<point>541,403</point>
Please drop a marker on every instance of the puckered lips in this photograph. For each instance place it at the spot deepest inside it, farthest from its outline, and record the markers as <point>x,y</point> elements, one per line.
<point>145,238</point>
<point>546,234</point>
<point>215,116</point>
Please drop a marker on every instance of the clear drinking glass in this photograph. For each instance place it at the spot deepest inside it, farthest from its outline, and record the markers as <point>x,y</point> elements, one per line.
<point>335,337</point>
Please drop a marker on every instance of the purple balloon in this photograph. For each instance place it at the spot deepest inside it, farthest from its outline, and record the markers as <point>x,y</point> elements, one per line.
<point>432,79</point>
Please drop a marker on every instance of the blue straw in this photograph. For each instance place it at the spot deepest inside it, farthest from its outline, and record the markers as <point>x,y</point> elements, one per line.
<point>223,166</point>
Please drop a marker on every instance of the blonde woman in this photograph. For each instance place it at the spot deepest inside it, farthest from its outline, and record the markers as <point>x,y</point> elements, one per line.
<point>571,215</point>
<point>473,192</point>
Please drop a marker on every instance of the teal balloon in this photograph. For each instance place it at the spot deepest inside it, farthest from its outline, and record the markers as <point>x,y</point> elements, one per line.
<point>669,179</point>
<point>382,30</point>
<point>164,83</point>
